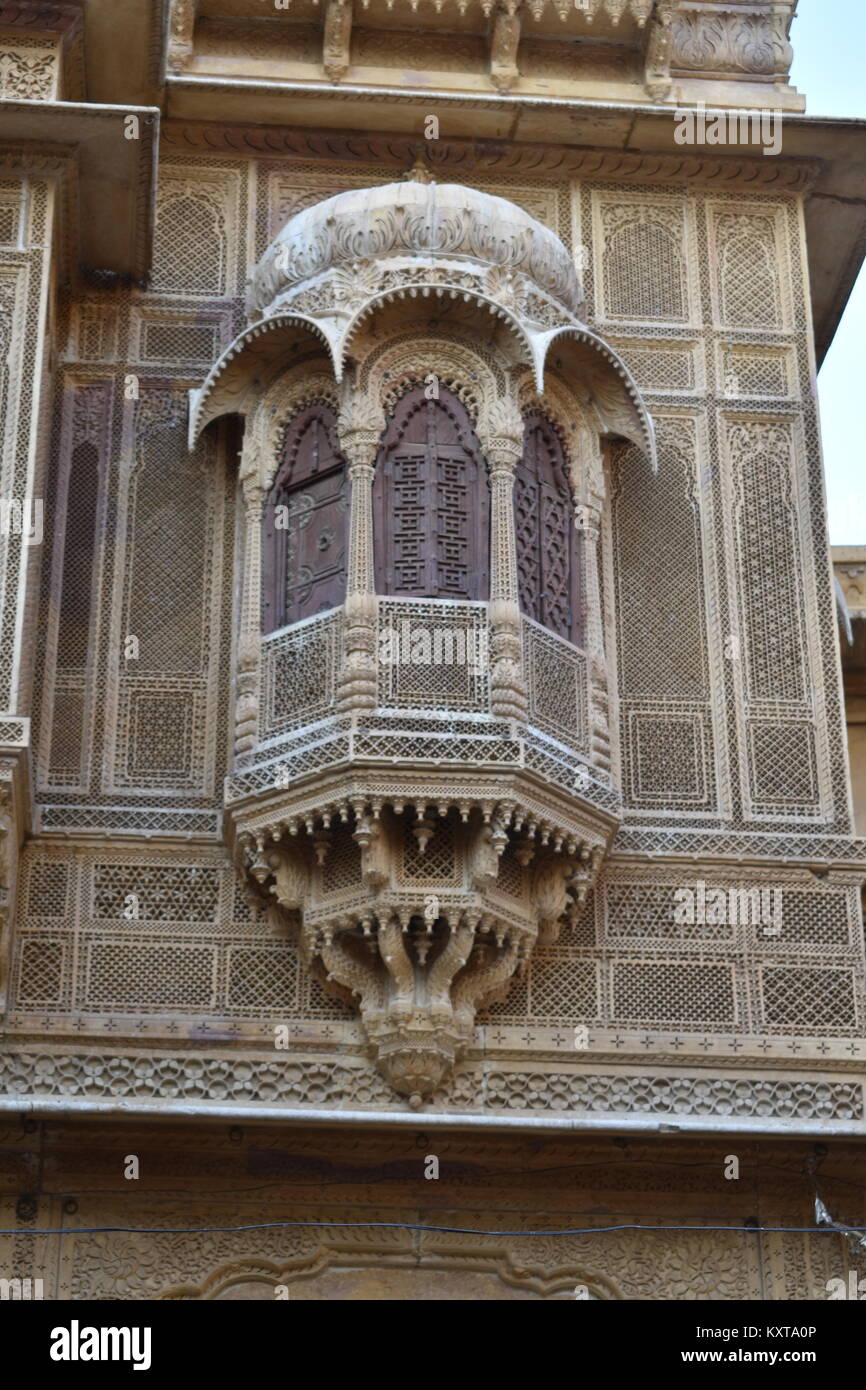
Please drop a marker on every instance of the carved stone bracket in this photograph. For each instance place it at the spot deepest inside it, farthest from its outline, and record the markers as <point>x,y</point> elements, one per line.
<point>504,43</point>
<point>418,949</point>
<point>337,39</point>
<point>657,75</point>
<point>182,25</point>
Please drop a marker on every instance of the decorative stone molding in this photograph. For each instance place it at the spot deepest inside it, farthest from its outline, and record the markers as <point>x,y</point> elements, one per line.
<point>471,159</point>
<point>218,1083</point>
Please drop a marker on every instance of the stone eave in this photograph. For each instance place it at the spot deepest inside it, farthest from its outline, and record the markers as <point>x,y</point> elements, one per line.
<point>116,177</point>
<point>835,203</point>
<point>124,44</point>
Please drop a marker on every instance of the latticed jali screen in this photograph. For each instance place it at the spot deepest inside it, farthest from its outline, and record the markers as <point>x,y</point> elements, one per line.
<point>725,725</point>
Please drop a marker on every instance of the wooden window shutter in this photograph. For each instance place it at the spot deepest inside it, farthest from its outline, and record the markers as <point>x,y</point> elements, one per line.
<point>547,551</point>
<point>304,561</point>
<point>431,501</point>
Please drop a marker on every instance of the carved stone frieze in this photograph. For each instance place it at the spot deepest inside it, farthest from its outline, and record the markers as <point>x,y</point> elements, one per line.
<point>730,39</point>
<point>473,159</point>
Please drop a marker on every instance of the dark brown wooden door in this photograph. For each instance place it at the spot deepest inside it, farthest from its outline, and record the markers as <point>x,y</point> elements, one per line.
<point>431,502</point>
<point>305,523</point>
<point>547,551</point>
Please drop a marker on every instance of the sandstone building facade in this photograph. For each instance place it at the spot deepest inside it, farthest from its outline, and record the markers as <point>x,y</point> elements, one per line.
<point>424,779</point>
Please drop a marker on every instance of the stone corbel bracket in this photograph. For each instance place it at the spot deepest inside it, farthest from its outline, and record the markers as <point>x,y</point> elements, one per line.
<point>180,39</point>
<point>504,44</point>
<point>418,960</point>
<point>337,39</point>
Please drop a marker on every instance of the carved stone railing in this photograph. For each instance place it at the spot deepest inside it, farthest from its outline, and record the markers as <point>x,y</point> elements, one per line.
<point>558,684</point>
<point>300,665</point>
<point>433,690</point>
<point>433,654</point>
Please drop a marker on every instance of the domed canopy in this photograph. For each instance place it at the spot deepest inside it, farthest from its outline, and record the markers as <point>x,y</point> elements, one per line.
<point>368,232</point>
<point>364,250</point>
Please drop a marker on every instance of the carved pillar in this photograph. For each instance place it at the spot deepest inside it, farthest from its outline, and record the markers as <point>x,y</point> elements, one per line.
<point>180,44</point>
<point>503,445</point>
<point>504,42</point>
<point>337,39</point>
<point>588,523</point>
<point>249,633</point>
<point>359,432</point>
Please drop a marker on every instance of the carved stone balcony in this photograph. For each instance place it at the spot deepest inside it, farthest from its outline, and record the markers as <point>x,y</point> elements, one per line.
<point>389,721</point>
<point>420,851</point>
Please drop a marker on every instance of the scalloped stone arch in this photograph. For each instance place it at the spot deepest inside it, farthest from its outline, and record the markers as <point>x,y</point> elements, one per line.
<point>290,392</point>
<point>233,384</point>
<point>603,382</point>
<point>523,340</point>
<point>457,362</point>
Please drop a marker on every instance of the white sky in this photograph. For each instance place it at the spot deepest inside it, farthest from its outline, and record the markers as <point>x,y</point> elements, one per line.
<point>829,38</point>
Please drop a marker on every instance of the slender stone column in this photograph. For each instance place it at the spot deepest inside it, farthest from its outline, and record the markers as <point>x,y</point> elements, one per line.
<point>358,683</point>
<point>249,630</point>
<point>502,445</point>
<point>588,523</point>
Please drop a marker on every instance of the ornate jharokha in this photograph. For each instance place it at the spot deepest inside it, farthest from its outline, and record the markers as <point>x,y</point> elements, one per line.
<point>422,752</point>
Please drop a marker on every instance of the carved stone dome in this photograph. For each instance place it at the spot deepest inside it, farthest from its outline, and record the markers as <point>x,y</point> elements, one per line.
<point>368,240</point>
<point>340,261</point>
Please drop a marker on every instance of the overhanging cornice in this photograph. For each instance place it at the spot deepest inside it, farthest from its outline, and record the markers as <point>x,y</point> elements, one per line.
<point>115,176</point>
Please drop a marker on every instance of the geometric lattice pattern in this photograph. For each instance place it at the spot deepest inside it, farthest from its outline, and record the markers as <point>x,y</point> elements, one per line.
<point>644,261</point>
<point>437,655</point>
<point>299,673</point>
<point>557,679</point>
